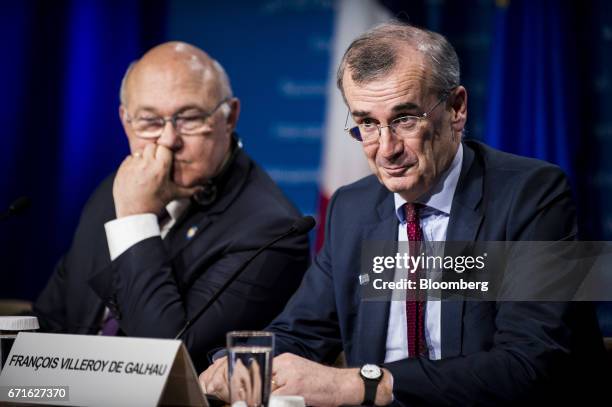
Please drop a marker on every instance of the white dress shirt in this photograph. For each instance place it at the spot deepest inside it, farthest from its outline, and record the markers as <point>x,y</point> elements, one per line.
<point>123,233</point>
<point>434,222</point>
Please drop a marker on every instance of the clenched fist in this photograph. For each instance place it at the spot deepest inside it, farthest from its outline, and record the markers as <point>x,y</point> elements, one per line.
<point>143,183</point>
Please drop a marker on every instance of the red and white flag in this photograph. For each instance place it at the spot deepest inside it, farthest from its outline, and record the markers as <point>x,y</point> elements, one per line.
<point>343,161</point>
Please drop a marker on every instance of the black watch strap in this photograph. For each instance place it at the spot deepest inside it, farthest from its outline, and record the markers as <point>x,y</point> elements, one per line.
<point>370,391</point>
<point>371,376</point>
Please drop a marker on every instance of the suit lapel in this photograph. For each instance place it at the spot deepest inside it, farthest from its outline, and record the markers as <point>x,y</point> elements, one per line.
<point>374,314</point>
<point>463,226</point>
<point>187,230</point>
<point>190,227</point>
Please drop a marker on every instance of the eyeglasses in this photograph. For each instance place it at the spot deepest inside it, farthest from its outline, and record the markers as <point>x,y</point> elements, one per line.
<point>405,126</point>
<point>185,124</point>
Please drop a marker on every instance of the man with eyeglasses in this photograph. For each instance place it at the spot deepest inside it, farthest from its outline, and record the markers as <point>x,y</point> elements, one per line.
<point>183,211</point>
<point>408,111</point>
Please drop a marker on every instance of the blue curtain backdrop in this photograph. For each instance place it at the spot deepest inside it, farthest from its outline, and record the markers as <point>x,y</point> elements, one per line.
<point>60,135</point>
<point>532,95</point>
<point>536,105</point>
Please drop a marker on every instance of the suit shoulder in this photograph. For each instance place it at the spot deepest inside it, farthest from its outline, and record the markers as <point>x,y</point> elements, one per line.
<point>271,200</point>
<point>502,164</point>
<point>99,207</point>
<point>102,195</point>
<point>364,193</point>
<point>366,184</point>
<point>262,209</point>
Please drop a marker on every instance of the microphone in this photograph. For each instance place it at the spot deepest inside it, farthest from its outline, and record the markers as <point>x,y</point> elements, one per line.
<point>19,205</point>
<point>299,227</point>
<point>303,225</point>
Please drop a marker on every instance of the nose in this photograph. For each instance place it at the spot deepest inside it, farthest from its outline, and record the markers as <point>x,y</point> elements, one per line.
<point>169,137</point>
<point>389,146</point>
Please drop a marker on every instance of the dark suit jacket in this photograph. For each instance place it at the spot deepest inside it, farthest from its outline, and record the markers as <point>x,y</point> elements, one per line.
<point>493,354</point>
<point>155,286</point>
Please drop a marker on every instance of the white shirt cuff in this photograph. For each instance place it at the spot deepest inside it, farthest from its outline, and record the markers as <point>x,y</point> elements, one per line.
<point>123,233</point>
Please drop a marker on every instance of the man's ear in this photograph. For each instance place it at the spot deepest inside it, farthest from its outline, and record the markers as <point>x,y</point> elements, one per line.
<point>458,108</point>
<point>123,117</point>
<point>232,117</point>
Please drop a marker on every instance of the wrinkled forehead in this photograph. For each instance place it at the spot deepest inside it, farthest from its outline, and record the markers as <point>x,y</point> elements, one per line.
<point>407,81</point>
<point>178,80</point>
<point>174,72</point>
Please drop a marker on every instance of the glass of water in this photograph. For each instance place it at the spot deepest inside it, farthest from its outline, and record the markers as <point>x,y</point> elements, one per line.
<point>250,367</point>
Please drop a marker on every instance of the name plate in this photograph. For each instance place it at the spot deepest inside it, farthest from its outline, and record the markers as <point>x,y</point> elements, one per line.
<point>87,370</point>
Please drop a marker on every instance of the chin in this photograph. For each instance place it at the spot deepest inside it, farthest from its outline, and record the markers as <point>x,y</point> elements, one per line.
<point>408,188</point>
<point>398,184</point>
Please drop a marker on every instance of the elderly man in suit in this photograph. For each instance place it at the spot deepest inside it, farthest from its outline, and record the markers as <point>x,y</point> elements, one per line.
<point>183,211</point>
<point>408,110</point>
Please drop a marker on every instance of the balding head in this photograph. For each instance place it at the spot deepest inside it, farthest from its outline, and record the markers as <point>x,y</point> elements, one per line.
<point>178,97</point>
<point>181,56</point>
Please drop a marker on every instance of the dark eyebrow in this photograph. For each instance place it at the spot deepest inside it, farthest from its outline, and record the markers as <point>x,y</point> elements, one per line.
<point>360,113</point>
<point>397,108</point>
<point>405,106</point>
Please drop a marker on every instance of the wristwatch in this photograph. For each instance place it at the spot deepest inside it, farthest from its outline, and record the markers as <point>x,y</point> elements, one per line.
<point>371,375</point>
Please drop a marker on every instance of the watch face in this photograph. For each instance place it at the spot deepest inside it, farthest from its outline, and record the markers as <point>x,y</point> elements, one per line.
<point>370,371</point>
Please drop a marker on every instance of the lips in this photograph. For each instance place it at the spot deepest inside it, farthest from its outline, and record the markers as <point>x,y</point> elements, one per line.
<point>395,170</point>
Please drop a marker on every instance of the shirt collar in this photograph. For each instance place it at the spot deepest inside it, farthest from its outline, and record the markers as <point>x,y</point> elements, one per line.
<point>177,207</point>
<point>440,197</point>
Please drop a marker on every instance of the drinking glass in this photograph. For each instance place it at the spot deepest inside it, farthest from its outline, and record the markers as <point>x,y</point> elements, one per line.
<point>250,367</point>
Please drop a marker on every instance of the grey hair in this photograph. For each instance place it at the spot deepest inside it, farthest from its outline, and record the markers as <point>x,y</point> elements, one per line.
<point>226,87</point>
<point>223,80</point>
<point>376,52</point>
<point>122,90</point>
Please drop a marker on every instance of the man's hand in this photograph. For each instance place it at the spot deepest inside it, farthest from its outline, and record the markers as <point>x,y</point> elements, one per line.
<point>323,385</point>
<point>143,183</point>
<point>292,375</point>
<point>214,379</point>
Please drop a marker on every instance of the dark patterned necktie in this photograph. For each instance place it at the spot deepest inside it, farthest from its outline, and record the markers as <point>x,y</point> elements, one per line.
<point>415,305</point>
